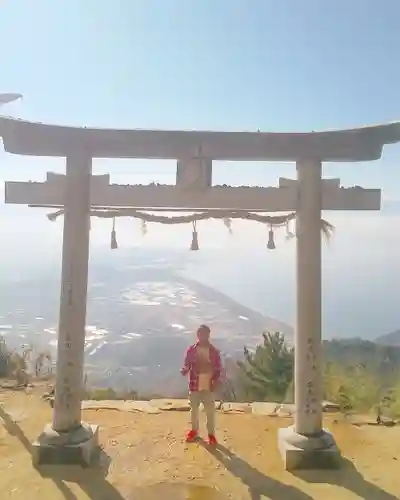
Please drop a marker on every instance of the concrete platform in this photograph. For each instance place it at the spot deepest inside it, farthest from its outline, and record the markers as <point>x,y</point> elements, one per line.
<point>78,447</point>
<point>308,452</point>
<point>131,406</point>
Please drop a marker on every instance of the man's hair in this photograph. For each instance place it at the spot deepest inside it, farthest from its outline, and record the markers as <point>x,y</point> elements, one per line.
<point>205,327</point>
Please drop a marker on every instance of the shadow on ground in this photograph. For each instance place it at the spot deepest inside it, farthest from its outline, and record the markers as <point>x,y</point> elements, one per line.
<point>349,478</point>
<point>92,481</point>
<point>259,484</point>
<point>176,491</point>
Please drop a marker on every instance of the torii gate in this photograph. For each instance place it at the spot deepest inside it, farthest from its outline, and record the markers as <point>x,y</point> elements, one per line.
<point>303,445</point>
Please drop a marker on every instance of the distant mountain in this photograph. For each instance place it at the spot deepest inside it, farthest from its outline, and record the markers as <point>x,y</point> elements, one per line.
<point>390,339</point>
<point>142,315</point>
<point>380,359</point>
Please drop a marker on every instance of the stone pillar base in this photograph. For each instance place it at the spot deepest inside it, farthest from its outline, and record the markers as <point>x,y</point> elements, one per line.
<point>77,447</point>
<point>308,452</point>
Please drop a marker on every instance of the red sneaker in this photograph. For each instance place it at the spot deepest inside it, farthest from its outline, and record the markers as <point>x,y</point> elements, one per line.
<point>191,436</point>
<point>212,440</point>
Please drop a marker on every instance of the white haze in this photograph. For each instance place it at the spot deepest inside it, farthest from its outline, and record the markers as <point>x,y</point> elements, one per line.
<point>361,268</point>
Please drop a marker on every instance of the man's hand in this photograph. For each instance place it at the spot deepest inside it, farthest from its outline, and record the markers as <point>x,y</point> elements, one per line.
<point>214,385</point>
<point>187,362</point>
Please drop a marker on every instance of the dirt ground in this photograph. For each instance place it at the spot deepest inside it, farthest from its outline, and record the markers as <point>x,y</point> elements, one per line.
<point>144,457</point>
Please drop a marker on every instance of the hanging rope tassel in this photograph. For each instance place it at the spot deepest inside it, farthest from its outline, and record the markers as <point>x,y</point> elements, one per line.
<point>289,234</point>
<point>114,243</point>
<point>271,241</point>
<point>195,241</point>
<point>228,223</point>
<point>143,227</point>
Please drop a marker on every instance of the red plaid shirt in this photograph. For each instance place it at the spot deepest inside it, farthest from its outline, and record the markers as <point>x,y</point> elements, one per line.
<point>191,366</point>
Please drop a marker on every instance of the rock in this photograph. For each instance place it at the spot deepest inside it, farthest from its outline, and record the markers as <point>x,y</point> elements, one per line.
<point>285,410</point>
<point>387,422</point>
<point>329,407</point>
<point>232,407</point>
<point>171,404</point>
<point>361,420</point>
<point>140,406</point>
<point>10,384</point>
<point>132,406</point>
<point>264,408</point>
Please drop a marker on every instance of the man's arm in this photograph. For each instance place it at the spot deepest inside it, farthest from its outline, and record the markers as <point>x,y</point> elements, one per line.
<point>187,362</point>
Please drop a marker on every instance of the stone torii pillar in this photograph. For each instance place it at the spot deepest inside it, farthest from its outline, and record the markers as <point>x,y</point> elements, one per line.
<point>306,444</point>
<point>68,439</point>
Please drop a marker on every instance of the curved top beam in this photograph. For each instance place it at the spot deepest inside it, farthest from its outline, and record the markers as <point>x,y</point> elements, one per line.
<point>38,139</point>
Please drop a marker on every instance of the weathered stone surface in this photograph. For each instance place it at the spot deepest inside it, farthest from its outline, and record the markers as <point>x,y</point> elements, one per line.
<point>302,452</point>
<point>329,407</point>
<point>11,384</point>
<point>265,408</point>
<point>132,406</point>
<point>231,407</point>
<point>359,420</point>
<point>387,421</point>
<point>170,404</point>
<point>363,420</point>
<point>77,447</point>
<point>158,405</point>
<point>286,410</point>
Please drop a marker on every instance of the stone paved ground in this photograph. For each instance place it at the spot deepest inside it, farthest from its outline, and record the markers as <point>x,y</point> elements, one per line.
<point>144,458</point>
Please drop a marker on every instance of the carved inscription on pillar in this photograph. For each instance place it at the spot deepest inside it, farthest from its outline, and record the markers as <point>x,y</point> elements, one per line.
<point>311,404</point>
<point>66,392</point>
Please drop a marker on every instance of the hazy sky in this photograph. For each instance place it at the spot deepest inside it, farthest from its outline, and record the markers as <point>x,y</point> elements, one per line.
<point>273,65</point>
<point>184,64</point>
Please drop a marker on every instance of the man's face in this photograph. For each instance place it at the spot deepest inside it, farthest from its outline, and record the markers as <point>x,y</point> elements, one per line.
<point>203,334</point>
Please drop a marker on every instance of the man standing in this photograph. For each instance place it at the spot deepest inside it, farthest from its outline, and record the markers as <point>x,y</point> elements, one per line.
<point>203,364</point>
